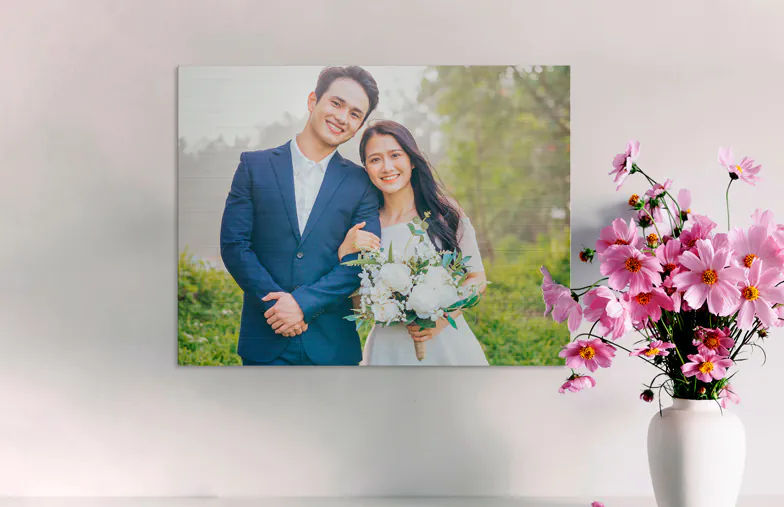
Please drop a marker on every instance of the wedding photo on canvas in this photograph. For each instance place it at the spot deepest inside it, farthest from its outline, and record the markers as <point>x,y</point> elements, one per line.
<point>371,216</point>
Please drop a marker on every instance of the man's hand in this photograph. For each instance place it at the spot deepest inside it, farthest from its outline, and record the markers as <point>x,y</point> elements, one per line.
<point>298,329</point>
<point>285,314</point>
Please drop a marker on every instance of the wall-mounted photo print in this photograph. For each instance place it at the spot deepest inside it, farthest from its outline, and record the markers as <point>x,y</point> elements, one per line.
<point>371,216</point>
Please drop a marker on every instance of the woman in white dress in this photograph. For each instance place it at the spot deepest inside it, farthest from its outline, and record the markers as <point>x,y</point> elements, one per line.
<point>408,189</point>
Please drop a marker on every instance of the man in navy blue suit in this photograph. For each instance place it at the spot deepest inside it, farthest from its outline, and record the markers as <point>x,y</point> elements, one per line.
<point>286,215</point>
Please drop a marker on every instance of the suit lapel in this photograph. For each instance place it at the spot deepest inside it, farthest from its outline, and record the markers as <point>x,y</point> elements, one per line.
<point>333,177</point>
<point>284,173</point>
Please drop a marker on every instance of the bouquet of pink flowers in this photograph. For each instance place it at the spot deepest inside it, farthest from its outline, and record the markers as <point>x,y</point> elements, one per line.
<point>698,298</point>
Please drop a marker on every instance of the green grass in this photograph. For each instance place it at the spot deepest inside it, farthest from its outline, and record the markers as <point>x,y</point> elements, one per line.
<point>508,322</point>
<point>209,305</point>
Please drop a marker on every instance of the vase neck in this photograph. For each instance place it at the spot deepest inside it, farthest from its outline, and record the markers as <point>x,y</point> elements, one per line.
<point>695,405</point>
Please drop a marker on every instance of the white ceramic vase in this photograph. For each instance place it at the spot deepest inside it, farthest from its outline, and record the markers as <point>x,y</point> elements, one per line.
<point>696,455</point>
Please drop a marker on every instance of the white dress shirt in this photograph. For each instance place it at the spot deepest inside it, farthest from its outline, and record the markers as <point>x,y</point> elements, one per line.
<point>308,176</point>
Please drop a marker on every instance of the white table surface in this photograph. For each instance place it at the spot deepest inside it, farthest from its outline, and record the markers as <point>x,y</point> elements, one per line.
<point>753,501</point>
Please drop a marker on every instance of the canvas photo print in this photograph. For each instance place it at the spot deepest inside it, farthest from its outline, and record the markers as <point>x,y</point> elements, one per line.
<point>371,216</point>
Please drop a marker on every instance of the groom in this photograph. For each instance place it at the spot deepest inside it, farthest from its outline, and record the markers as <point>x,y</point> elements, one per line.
<point>288,211</point>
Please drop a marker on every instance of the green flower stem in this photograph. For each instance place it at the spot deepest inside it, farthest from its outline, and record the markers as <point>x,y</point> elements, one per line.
<point>667,193</point>
<point>604,340</point>
<point>727,198</point>
<point>653,222</point>
<point>589,287</point>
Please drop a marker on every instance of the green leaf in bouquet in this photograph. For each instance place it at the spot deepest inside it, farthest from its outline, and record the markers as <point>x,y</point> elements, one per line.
<point>447,259</point>
<point>417,220</point>
<point>411,319</point>
<point>451,320</point>
<point>391,257</point>
<point>472,301</point>
<point>425,225</point>
<point>425,323</point>
<point>412,228</point>
<point>419,233</point>
<point>352,318</point>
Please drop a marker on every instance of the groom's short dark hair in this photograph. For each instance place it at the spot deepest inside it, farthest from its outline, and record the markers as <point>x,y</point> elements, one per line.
<point>358,74</point>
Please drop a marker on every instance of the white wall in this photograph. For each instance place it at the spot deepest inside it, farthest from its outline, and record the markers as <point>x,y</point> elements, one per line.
<point>91,402</point>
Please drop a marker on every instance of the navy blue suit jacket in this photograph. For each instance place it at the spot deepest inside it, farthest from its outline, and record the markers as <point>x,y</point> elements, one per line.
<point>263,250</point>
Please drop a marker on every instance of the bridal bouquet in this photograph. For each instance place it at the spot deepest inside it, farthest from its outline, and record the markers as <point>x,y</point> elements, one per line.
<point>416,287</point>
<point>699,299</point>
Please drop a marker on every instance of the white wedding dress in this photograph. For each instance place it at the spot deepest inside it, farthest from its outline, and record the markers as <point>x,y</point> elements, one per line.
<point>393,346</point>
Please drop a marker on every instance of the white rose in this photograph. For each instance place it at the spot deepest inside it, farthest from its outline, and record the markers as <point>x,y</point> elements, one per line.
<point>385,311</point>
<point>437,275</point>
<point>425,249</point>
<point>447,295</point>
<point>381,291</point>
<point>425,300</point>
<point>396,276</point>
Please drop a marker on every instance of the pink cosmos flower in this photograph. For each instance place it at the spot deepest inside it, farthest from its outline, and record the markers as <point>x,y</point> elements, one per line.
<point>720,240</point>
<point>654,348</point>
<point>619,233</point>
<point>551,291</point>
<point>667,254</point>
<point>684,203</point>
<point>726,394</point>
<point>576,383</point>
<point>754,244</point>
<point>780,314</point>
<point>597,504</point>
<point>717,341</point>
<point>758,294</point>
<point>675,294</point>
<point>626,265</point>
<point>707,367</point>
<point>648,304</point>
<point>708,278</point>
<point>568,308</point>
<point>659,189</point>
<point>765,219</point>
<point>745,170</point>
<point>653,211</point>
<point>622,163</point>
<point>612,314</point>
<point>700,230</point>
<point>589,353</point>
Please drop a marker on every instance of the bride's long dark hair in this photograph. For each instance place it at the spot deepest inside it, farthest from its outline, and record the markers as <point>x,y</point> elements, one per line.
<point>429,193</point>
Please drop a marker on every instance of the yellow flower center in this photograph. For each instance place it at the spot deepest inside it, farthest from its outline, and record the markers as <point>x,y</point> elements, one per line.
<point>643,298</point>
<point>712,342</point>
<point>651,352</point>
<point>706,367</point>
<point>738,168</point>
<point>750,293</point>
<point>653,239</point>
<point>621,242</point>
<point>633,264</point>
<point>587,352</point>
<point>669,268</point>
<point>748,260</point>
<point>634,199</point>
<point>709,277</point>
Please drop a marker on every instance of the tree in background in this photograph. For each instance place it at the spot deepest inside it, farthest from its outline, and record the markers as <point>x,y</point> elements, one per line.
<point>506,135</point>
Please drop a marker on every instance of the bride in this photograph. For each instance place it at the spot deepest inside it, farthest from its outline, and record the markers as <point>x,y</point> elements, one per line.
<point>408,189</point>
